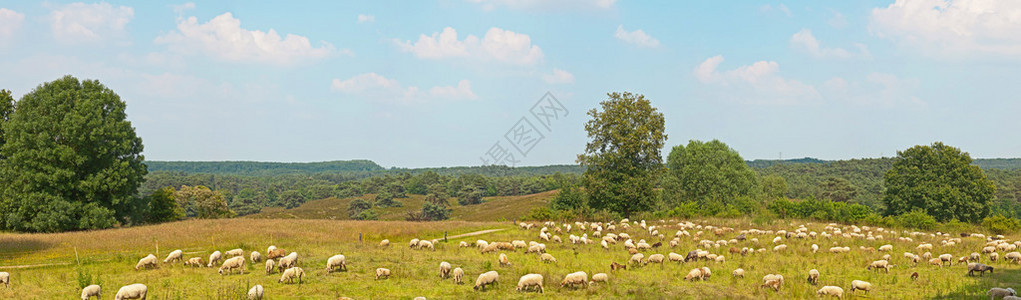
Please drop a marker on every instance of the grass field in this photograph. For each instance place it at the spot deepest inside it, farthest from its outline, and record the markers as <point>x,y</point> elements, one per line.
<point>110,256</point>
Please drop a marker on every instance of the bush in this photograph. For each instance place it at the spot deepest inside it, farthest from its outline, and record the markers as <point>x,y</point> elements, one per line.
<point>435,212</point>
<point>367,214</point>
<point>1001,224</point>
<point>356,207</point>
<point>917,219</point>
<point>385,199</point>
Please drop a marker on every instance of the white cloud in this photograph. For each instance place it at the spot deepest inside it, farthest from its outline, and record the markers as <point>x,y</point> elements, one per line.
<point>10,21</point>
<point>952,27</point>
<point>838,20</point>
<point>638,37</point>
<point>224,39</point>
<point>366,18</point>
<point>755,83</point>
<point>558,77</point>
<point>804,41</point>
<point>781,8</point>
<point>181,8</point>
<point>376,87</point>
<point>877,89</point>
<point>80,22</point>
<point>546,5</point>
<point>498,45</point>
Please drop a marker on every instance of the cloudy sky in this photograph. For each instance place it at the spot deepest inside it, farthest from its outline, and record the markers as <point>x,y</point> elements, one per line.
<point>441,83</point>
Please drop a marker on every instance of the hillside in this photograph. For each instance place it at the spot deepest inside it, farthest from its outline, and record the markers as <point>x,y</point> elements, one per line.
<point>254,168</point>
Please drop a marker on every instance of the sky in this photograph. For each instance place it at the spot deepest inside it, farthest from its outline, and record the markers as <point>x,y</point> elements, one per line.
<point>460,83</point>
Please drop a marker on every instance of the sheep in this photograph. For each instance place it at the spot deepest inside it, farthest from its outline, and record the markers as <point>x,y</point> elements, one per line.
<point>174,256</point>
<point>444,269</point>
<point>255,293</point>
<point>879,264</point>
<point>706,273</point>
<point>813,276</point>
<point>529,281</point>
<point>288,261</point>
<point>914,276</point>
<point>721,259</point>
<point>537,248</point>
<point>194,262</point>
<point>382,272</point>
<point>1013,256</point>
<point>146,262</point>
<point>980,268</point>
<point>504,261</point>
<point>270,265</point>
<point>255,256</point>
<point>599,277</point>
<point>947,258</point>
<point>656,258</point>
<point>214,258</point>
<point>772,277</point>
<point>485,279</point>
<point>335,262</point>
<point>830,290</point>
<point>237,262</point>
<point>132,291</point>
<point>861,285</point>
<point>276,253</point>
<point>89,291</point>
<point>637,259</point>
<point>270,249</point>
<point>815,248</point>
<point>780,247</point>
<point>994,256</point>
<point>675,257</point>
<point>234,252</point>
<point>1000,293</point>
<point>426,244</point>
<point>886,248</point>
<point>547,258</point>
<point>490,248</point>
<point>775,284</point>
<point>290,274</point>
<point>413,243</point>
<point>1011,298</point>
<point>574,279</point>
<point>458,274</point>
<point>936,262</point>
<point>694,274</point>
<point>385,243</point>
<point>615,266</point>
<point>738,272</point>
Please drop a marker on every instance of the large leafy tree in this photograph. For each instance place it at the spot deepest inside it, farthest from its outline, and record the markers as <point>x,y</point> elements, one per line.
<point>708,172</point>
<point>202,202</point>
<point>6,109</point>
<point>623,158</point>
<point>940,180</point>
<point>72,160</point>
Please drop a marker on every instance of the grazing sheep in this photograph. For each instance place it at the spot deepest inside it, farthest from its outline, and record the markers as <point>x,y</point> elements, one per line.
<point>675,257</point>
<point>255,256</point>
<point>276,253</point>
<point>132,291</point>
<point>504,261</point>
<point>993,256</point>
<point>975,257</point>
<point>547,258</point>
<point>615,266</point>
<point>694,274</point>
<point>813,276</point>
<point>775,284</point>
<point>574,279</point>
<point>886,247</point>
<point>721,259</point>
<point>485,279</point>
<point>426,244</point>
<point>270,249</point>
<point>413,243</point>
<point>914,276</point>
<point>490,248</point>
<point>830,290</point>
<point>980,268</point>
<point>637,259</point>
<point>772,277</point>
<point>336,261</point>
<point>656,258</point>
<point>146,262</point>
<point>444,270</point>
<point>458,274</point>
<point>706,273</point>
<point>815,248</point>
<point>290,274</point>
<point>384,243</point>
<point>255,293</point>
<point>194,262</point>
<point>270,265</point>
<point>1013,256</point>
<point>738,273</point>
<point>382,272</point>
<point>174,256</point>
<point>530,281</point>
<point>1011,298</point>
<point>861,285</point>
<point>1001,293</point>
<point>237,262</point>
<point>781,247</point>
<point>879,264</point>
<point>947,258</point>
<point>214,258</point>
<point>937,262</point>
<point>288,261</point>
<point>234,252</point>
<point>89,291</point>
<point>599,277</point>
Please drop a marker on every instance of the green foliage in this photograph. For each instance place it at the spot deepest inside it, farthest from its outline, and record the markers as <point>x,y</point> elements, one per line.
<point>367,214</point>
<point>202,202</point>
<point>385,199</point>
<point>253,168</point>
<point>163,207</point>
<point>939,180</point>
<point>917,218</point>
<point>433,212</point>
<point>6,109</point>
<point>707,171</point>
<point>1001,224</point>
<point>805,179</point>
<point>823,210</point>
<point>570,196</point>
<point>622,158</point>
<point>469,195</point>
<point>71,159</point>
<point>774,186</point>
<point>292,198</point>
<point>356,207</point>
<point>837,189</point>
<point>85,278</point>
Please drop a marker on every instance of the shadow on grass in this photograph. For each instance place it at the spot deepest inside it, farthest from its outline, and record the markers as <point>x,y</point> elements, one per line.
<point>1000,279</point>
<point>11,249</point>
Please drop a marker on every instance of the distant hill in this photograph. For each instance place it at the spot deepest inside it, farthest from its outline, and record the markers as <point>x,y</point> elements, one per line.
<point>254,168</point>
<point>766,163</point>
<point>984,163</point>
<point>998,163</point>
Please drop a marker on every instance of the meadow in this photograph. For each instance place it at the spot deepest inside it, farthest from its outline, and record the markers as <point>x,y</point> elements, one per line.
<point>46,266</point>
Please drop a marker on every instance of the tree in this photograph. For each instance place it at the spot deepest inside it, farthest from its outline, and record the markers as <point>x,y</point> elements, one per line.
<point>837,189</point>
<point>435,212</point>
<point>6,109</point>
<point>708,172</point>
<point>469,195</point>
<point>202,202</point>
<point>71,159</point>
<point>623,158</point>
<point>774,186</point>
<point>163,207</point>
<point>359,209</point>
<point>292,198</point>
<point>940,180</point>
<point>570,196</point>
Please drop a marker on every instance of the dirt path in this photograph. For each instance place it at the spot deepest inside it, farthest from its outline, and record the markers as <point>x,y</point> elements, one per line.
<point>480,232</point>
<point>33,266</point>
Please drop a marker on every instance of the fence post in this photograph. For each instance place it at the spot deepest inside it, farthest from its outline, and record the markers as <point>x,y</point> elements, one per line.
<point>359,237</point>
<point>444,236</point>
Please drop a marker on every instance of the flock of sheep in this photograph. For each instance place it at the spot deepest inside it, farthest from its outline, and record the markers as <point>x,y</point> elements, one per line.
<point>611,234</point>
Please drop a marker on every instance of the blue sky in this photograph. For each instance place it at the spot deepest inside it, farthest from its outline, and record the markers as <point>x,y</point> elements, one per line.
<point>437,83</point>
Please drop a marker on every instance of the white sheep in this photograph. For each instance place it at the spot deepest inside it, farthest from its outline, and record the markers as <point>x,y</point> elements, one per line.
<point>458,274</point>
<point>132,291</point>
<point>781,247</point>
<point>993,256</point>
<point>530,281</point>
<point>656,258</point>
<point>947,258</point>
<point>773,277</point>
<point>270,265</point>
<point>255,256</point>
<point>146,262</point>
<point>599,277</point>
<point>214,258</point>
<point>694,274</point>
<point>237,262</point>
<point>738,272</point>
<point>382,272</point>
<point>5,278</point>
<point>426,244</point>
<point>637,259</point>
<point>462,244</point>
<point>485,279</point>
<point>384,243</point>
<point>574,279</point>
<point>336,261</point>
<point>504,261</point>
<point>675,257</point>
<point>255,293</point>
<point>89,291</point>
<point>830,290</point>
<point>547,258</point>
<point>413,243</point>
<point>861,285</point>
<point>880,264</point>
<point>290,274</point>
<point>813,276</point>
<point>886,247</point>
<point>270,249</point>
<point>721,259</point>
<point>234,252</point>
<point>444,270</point>
<point>288,261</point>
<point>174,256</point>
<point>995,293</point>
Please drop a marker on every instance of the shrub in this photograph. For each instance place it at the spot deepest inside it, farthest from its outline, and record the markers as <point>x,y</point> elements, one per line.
<point>1001,224</point>
<point>356,207</point>
<point>917,219</point>
<point>386,199</point>
<point>367,214</point>
<point>435,212</point>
